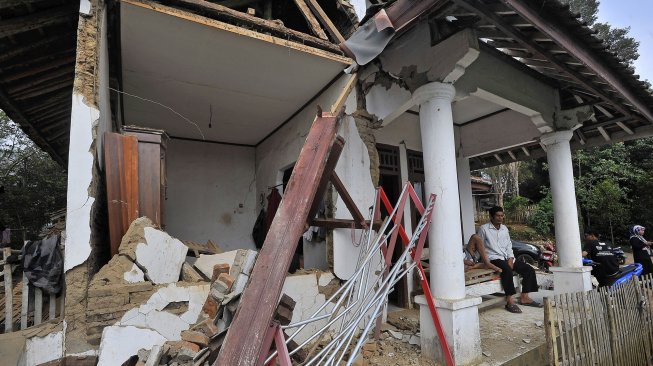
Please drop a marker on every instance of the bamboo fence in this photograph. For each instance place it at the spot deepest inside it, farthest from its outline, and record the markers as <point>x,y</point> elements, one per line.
<point>609,326</point>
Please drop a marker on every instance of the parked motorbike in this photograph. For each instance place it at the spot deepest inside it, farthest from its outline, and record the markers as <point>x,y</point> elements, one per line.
<point>625,273</point>
<point>619,253</point>
<point>531,254</point>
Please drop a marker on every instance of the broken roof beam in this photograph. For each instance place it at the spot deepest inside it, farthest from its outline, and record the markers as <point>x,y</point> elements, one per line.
<point>223,13</point>
<point>313,24</point>
<point>244,340</point>
<point>325,20</point>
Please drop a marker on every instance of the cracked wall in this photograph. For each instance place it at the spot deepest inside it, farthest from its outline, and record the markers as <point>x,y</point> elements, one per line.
<point>86,206</point>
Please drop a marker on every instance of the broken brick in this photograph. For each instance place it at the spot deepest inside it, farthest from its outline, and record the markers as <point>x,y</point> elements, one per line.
<point>207,327</point>
<point>219,269</point>
<point>210,307</point>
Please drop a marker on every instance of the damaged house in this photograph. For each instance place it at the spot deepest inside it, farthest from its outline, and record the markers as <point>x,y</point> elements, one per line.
<point>193,114</point>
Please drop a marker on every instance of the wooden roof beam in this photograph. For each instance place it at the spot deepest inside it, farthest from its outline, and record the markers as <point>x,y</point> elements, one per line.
<point>313,23</point>
<point>326,22</point>
<point>40,80</point>
<point>45,90</point>
<point>69,60</point>
<point>578,50</point>
<point>41,19</point>
<point>38,45</point>
<point>7,4</point>
<point>17,116</point>
<point>528,44</point>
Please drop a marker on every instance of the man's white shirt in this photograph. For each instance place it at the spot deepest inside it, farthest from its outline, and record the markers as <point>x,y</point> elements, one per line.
<point>497,241</point>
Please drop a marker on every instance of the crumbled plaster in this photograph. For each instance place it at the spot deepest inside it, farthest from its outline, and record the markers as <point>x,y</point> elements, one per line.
<point>40,350</point>
<point>119,343</point>
<point>153,314</point>
<point>162,261</point>
<point>134,274</point>
<point>206,262</point>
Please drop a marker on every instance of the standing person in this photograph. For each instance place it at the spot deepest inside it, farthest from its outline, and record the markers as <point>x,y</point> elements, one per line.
<point>601,253</point>
<point>641,249</point>
<point>498,246</point>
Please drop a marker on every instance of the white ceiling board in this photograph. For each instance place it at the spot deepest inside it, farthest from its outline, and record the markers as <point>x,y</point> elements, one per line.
<point>497,132</point>
<point>250,85</point>
<point>405,128</point>
<point>472,108</point>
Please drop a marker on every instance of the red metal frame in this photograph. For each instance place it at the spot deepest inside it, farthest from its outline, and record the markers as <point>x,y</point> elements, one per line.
<point>275,333</point>
<point>416,254</point>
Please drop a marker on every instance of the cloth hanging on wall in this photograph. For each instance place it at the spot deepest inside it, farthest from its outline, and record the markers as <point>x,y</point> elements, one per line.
<point>274,199</point>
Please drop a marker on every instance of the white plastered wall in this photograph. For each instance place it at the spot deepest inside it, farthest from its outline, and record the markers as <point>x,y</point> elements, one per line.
<point>211,193</point>
<point>84,119</point>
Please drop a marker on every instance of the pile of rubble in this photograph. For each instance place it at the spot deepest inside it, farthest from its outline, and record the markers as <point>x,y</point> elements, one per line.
<point>152,304</point>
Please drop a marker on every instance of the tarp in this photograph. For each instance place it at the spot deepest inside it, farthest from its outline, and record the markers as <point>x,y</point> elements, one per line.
<point>43,264</point>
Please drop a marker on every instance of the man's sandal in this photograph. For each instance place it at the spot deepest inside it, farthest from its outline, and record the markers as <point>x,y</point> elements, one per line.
<point>533,304</point>
<point>513,308</point>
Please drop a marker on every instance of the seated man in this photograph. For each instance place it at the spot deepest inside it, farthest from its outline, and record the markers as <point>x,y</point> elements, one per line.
<point>476,256</point>
<point>498,245</point>
<point>601,254</point>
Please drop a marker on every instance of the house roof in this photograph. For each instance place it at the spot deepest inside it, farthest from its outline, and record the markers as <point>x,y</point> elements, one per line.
<point>38,39</point>
<point>548,38</point>
<point>37,63</point>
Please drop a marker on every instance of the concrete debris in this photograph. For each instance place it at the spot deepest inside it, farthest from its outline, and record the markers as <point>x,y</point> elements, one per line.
<point>205,263</point>
<point>161,256</point>
<point>539,324</point>
<point>120,343</point>
<point>487,354</point>
<point>526,340</point>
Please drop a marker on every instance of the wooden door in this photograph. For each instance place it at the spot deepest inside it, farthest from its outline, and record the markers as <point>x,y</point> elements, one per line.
<point>121,170</point>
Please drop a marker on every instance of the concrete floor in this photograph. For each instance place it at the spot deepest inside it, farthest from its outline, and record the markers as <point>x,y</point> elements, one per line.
<point>506,336</point>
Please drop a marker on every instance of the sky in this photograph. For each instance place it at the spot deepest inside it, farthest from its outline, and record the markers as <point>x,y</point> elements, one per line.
<point>636,15</point>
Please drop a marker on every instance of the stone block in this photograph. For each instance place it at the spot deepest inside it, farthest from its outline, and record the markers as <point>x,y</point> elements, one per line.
<point>243,262</point>
<point>120,343</point>
<point>196,337</point>
<point>223,283</point>
<point>190,274</point>
<point>283,315</point>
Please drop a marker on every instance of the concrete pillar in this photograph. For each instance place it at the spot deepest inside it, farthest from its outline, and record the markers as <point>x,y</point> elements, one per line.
<point>458,315</point>
<point>570,276</point>
<point>438,145</point>
<point>466,198</point>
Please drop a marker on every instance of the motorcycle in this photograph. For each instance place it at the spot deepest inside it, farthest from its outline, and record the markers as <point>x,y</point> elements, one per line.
<point>619,253</point>
<point>624,275</point>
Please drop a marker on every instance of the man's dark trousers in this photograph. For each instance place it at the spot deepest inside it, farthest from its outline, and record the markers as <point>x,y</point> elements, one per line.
<point>529,281</point>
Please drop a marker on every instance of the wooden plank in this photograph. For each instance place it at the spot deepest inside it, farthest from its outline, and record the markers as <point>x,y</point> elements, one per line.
<point>24,303</point>
<point>313,24</point>
<point>564,336</point>
<point>243,343</point>
<point>584,321</point>
<point>38,306</point>
<point>326,21</point>
<point>41,19</point>
<point>612,329</point>
<point>550,333</point>
<point>69,60</point>
<point>121,168</point>
<point>346,198</point>
<point>52,310</point>
<point>9,300</point>
<point>332,161</point>
<point>342,223</point>
<point>279,32</point>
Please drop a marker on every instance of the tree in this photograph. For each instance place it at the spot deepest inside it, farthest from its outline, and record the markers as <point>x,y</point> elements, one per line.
<point>32,184</point>
<point>616,39</point>
<point>607,204</point>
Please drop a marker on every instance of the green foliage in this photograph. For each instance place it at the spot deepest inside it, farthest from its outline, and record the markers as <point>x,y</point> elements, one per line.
<point>34,185</point>
<point>616,39</point>
<point>542,219</point>
<point>524,233</point>
<point>515,202</point>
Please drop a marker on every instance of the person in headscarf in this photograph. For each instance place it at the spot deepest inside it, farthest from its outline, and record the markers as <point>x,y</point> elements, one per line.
<point>641,249</point>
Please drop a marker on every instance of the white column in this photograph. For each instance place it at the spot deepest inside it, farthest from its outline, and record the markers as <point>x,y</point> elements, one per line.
<point>466,198</point>
<point>570,276</point>
<point>438,145</point>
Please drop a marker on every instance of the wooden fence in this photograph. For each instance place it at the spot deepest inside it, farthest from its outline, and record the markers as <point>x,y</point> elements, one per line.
<point>601,327</point>
<point>22,302</point>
